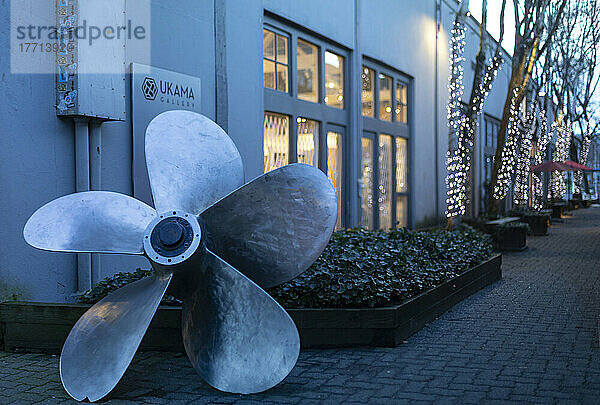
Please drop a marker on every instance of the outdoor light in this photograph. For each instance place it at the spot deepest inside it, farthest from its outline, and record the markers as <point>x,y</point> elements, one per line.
<point>214,242</point>
<point>542,93</point>
<point>458,160</point>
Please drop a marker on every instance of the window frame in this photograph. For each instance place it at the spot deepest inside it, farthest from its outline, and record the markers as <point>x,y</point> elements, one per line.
<point>277,31</point>
<point>488,151</point>
<point>327,116</point>
<point>374,127</point>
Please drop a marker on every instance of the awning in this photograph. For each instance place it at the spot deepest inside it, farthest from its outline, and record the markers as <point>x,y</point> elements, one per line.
<point>575,166</point>
<point>550,166</point>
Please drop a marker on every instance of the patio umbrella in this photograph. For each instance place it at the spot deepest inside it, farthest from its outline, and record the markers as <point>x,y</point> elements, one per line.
<point>550,166</point>
<point>575,166</point>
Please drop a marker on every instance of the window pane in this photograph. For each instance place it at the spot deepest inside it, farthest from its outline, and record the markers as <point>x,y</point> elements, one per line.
<point>269,73</point>
<point>308,141</point>
<point>276,140</point>
<point>334,169</point>
<point>368,85</point>
<point>401,102</point>
<point>282,77</point>
<point>308,76</point>
<point>385,182</point>
<point>385,97</point>
<point>268,44</point>
<point>282,49</point>
<point>366,191</point>
<point>334,80</point>
<point>401,165</point>
<point>401,211</point>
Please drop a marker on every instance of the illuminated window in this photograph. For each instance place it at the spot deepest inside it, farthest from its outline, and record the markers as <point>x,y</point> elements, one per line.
<point>384,188</point>
<point>385,148</point>
<point>295,130</point>
<point>368,92</point>
<point>385,97</point>
<point>401,165</point>
<point>401,103</point>
<point>366,191</point>
<point>334,80</point>
<point>308,74</point>
<point>276,141</point>
<point>308,141</point>
<point>334,168</point>
<point>275,61</point>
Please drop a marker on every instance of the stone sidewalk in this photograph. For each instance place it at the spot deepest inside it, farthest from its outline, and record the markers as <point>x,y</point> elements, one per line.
<point>530,338</point>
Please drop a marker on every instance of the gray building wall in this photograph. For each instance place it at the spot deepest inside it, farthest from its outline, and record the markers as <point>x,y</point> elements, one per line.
<point>37,149</point>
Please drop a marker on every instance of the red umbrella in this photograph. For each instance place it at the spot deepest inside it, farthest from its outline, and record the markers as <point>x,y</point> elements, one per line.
<point>575,166</point>
<point>550,166</point>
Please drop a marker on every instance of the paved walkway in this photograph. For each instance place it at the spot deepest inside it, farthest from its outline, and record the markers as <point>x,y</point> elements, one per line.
<point>530,338</point>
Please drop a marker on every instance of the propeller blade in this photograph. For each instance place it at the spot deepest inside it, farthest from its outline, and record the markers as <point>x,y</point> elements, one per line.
<point>92,221</point>
<point>191,162</point>
<point>238,338</point>
<point>104,340</point>
<point>276,226</point>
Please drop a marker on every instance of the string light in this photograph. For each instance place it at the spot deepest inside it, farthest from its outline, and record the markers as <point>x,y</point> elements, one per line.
<point>542,145</point>
<point>507,160</point>
<point>521,195</point>
<point>456,119</point>
<point>558,186</point>
<point>585,148</point>
<point>463,124</point>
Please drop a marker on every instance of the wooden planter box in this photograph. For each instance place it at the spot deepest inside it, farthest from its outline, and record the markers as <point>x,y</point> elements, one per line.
<point>538,224</point>
<point>44,327</point>
<point>511,239</point>
<point>558,210</point>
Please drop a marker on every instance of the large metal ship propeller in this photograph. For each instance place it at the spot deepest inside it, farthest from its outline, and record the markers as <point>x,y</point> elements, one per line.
<point>214,242</point>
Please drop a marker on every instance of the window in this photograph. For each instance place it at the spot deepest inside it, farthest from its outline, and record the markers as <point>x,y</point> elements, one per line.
<point>334,80</point>
<point>401,103</point>
<point>490,142</point>
<point>313,133</point>
<point>334,168</point>
<point>308,141</point>
<point>385,184</point>
<point>368,92</point>
<point>276,140</point>
<point>367,184</point>
<point>385,97</point>
<point>385,181</point>
<point>308,75</point>
<point>275,61</point>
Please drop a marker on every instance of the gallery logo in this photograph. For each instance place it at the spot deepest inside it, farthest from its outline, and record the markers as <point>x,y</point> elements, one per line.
<point>149,88</point>
<point>168,92</point>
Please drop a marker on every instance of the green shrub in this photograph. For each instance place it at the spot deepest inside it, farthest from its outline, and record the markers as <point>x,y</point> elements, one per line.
<point>375,268</point>
<point>362,268</point>
<point>109,284</point>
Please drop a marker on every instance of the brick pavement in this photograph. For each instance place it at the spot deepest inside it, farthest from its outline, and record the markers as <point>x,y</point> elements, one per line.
<point>530,338</point>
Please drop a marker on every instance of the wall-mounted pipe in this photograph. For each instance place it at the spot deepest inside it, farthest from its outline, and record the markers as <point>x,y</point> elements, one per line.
<point>95,153</point>
<point>88,167</point>
<point>82,183</point>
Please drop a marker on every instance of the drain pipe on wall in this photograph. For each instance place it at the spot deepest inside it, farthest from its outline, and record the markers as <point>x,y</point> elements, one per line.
<point>95,153</point>
<point>88,166</point>
<point>82,183</point>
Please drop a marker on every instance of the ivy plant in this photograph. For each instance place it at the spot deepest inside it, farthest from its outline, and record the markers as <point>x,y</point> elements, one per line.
<point>361,268</point>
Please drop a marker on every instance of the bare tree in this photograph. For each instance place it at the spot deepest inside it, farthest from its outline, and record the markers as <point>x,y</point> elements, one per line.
<point>461,138</point>
<point>573,76</point>
<point>536,22</point>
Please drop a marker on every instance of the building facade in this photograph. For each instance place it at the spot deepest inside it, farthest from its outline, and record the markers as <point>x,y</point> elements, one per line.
<point>354,87</point>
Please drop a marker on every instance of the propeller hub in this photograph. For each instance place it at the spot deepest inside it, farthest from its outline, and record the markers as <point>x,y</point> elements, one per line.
<point>172,237</point>
<point>170,233</point>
